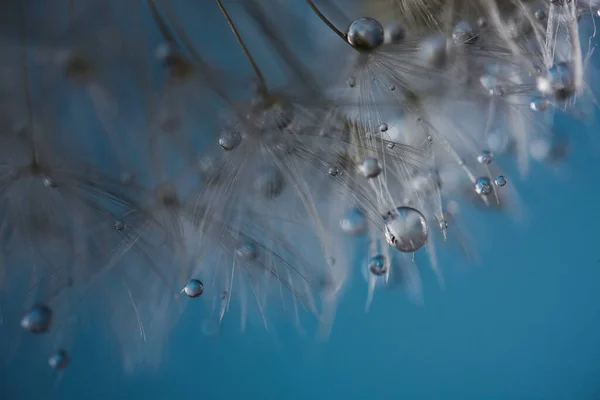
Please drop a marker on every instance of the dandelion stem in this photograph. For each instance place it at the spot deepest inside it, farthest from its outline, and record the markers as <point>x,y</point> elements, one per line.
<point>27,90</point>
<point>240,41</point>
<point>326,21</point>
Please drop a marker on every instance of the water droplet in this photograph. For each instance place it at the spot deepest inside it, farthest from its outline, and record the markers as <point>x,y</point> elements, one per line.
<point>351,82</point>
<point>365,34</point>
<point>59,360</point>
<point>269,182</point>
<point>377,265</point>
<point>433,50</point>
<point>194,288</point>
<point>483,186</point>
<point>38,319</point>
<point>558,82</point>
<point>333,171</point>
<point>230,140</point>
<point>392,87</point>
<point>247,251</point>
<point>395,33</point>
<point>370,167</point>
<point>485,157</point>
<point>354,222</point>
<point>119,225</point>
<point>406,229</point>
<point>383,127</point>
<point>500,180</point>
<point>540,14</point>
<point>49,182</point>
<point>464,33</point>
<point>539,104</point>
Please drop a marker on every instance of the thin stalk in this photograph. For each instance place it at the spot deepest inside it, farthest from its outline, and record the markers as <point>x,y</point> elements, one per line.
<point>240,41</point>
<point>326,21</point>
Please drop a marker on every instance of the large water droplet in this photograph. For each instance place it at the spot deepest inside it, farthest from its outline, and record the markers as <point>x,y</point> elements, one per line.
<point>406,229</point>
<point>500,180</point>
<point>365,34</point>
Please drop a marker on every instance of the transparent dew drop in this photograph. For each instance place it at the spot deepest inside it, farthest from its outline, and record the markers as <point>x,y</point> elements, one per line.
<point>247,251</point>
<point>540,14</point>
<point>354,222</point>
<point>392,87</point>
<point>558,82</point>
<point>126,178</point>
<point>351,82</point>
<point>365,34</point>
<point>485,157</point>
<point>406,229</point>
<point>194,288</point>
<point>500,180</point>
<point>49,182</point>
<point>59,360</point>
<point>483,186</point>
<point>377,265</point>
<point>119,225</point>
<point>539,104</point>
<point>433,50</point>
<point>370,168</point>
<point>464,33</point>
<point>383,127</point>
<point>498,141</point>
<point>269,182</point>
<point>394,33</point>
<point>38,319</point>
<point>230,140</point>
<point>333,171</point>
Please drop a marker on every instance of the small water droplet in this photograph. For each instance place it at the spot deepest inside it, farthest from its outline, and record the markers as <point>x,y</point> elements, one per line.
<point>247,251</point>
<point>194,288</point>
<point>377,265</point>
<point>59,360</point>
<point>333,171</point>
<point>38,319</point>
<point>500,180</point>
<point>483,186</point>
<point>230,140</point>
<point>354,222</point>
<point>485,157</point>
<point>119,225</point>
<point>370,168</point>
<point>539,104</point>
<point>383,127</point>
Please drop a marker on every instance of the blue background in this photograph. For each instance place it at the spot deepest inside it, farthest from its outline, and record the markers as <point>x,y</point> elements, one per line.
<point>523,324</point>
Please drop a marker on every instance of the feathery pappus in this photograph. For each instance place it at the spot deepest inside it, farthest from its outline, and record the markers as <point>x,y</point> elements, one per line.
<point>263,161</point>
